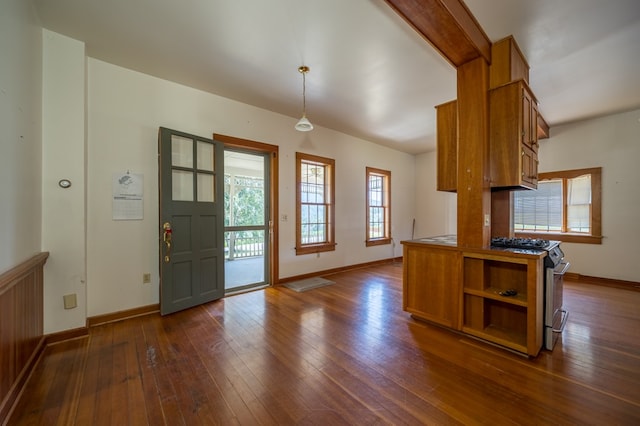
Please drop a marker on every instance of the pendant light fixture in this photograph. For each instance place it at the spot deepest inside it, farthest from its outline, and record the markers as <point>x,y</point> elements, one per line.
<point>304,125</point>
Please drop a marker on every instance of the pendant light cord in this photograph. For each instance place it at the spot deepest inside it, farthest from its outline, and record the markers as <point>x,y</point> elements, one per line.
<point>303,69</point>
<point>304,93</point>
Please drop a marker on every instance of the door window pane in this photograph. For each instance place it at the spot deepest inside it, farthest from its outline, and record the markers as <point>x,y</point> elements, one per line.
<point>181,152</point>
<point>182,185</point>
<point>205,156</point>
<point>206,192</point>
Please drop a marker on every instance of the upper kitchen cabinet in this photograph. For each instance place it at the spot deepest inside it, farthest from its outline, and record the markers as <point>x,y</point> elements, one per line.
<point>447,146</point>
<point>507,63</point>
<point>514,136</point>
<point>515,125</point>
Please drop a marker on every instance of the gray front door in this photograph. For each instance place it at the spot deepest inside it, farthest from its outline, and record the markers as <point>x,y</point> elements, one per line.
<point>191,220</point>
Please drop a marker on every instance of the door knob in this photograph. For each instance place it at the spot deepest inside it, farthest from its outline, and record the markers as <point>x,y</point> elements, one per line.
<point>166,237</point>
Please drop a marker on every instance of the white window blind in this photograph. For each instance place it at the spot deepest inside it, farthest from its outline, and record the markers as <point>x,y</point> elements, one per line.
<point>541,209</point>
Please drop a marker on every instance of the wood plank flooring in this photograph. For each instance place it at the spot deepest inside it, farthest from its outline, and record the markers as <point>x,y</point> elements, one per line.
<point>341,354</point>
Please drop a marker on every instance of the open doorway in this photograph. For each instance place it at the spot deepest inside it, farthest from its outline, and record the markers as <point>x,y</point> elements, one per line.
<point>250,233</point>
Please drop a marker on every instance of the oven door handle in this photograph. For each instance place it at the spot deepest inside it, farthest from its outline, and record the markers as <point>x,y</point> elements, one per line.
<point>564,270</point>
<point>565,315</point>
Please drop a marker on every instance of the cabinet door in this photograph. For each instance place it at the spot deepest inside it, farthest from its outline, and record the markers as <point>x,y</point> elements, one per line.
<point>431,284</point>
<point>533,126</point>
<point>529,120</point>
<point>529,167</point>
<point>513,136</point>
<point>526,118</point>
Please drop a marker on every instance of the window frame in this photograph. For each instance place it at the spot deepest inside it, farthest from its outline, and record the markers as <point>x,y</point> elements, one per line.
<point>329,203</point>
<point>595,237</point>
<point>386,205</point>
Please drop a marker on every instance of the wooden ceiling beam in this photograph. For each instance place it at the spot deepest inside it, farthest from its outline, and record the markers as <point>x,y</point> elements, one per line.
<point>448,26</point>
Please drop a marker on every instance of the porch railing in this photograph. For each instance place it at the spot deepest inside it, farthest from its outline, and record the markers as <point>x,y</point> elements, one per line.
<point>242,244</point>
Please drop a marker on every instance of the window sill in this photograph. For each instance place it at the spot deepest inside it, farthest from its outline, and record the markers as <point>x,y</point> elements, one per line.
<point>564,237</point>
<point>378,242</point>
<point>315,248</point>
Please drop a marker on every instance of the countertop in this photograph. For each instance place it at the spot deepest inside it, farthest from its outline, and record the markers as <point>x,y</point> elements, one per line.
<point>451,241</point>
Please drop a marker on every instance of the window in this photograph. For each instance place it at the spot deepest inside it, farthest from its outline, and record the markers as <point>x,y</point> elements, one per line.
<point>566,206</point>
<point>378,207</point>
<point>315,183</point>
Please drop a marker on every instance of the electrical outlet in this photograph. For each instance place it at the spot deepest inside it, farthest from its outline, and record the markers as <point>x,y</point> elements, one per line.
<point>284,217</point>
<point>146,278</point>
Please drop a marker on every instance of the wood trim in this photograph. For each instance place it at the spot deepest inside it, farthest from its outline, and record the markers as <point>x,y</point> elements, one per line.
<point>607,282</point>
<point>274,213</point>
<point>595,237</point>
<point>543,127</point>
<point>62,336</point>
<point>330,194</point>
<point>448,26</point>
<point>386,191</point>
<point>21,327</point>
<point>340,269</point>
<point>121,315</point>
<point>9,278</point>
<point>8,402</point>
<point>566,238</point>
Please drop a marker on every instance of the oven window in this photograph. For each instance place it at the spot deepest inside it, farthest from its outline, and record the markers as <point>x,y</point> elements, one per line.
<point>566,206</point>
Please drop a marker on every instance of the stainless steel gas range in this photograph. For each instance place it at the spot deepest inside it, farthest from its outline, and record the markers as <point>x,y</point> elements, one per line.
<point>555,316</point>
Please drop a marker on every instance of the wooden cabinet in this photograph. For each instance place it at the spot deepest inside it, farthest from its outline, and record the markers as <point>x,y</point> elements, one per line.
<point>513,125</point>
<point>460,288</point>
<point>513,145</point>
<point>513,321</point>
<point>431,283</point>
<point>507,63</point>
<point>447,146</point>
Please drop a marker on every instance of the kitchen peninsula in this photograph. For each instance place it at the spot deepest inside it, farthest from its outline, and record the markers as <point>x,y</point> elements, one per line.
<point>490,293</point>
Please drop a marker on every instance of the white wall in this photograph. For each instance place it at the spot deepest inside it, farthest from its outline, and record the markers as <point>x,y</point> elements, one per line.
<point>63,150</point>
<point>125,109</point>
<point>613,143</point>
<point>20,132</point>
<point>436,212</point>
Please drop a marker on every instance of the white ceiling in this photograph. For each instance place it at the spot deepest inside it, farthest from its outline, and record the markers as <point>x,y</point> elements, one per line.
<point>371,76</point>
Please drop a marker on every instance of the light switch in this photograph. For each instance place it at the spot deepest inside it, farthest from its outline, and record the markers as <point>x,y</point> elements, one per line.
<point>70,301</point>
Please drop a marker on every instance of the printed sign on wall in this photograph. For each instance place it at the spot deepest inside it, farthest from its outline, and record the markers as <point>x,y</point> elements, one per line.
<point>128,196</point>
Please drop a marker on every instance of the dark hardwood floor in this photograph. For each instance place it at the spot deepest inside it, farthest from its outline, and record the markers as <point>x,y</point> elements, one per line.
<point>342,354</point>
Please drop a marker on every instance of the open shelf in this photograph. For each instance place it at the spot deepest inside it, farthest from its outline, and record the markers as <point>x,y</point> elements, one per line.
<point>494,293</point>
<point>488,278</point>
<point>500,322</point>
<point>509,321</point>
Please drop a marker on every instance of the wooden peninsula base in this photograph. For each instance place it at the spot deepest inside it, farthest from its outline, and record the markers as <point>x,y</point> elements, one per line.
<point>492,294</point>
